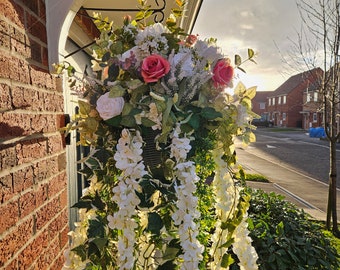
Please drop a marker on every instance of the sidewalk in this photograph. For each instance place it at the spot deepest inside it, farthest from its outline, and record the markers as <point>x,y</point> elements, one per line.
<point>307,193</point>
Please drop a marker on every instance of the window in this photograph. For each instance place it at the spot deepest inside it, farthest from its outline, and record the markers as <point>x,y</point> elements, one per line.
<point>315,117</point>
<point>284,99</point>
<point>316,97</point>
<point>284,116</point>
<point>269,102</point>
<point>273,101</point>
<point>308,97</point>
<point>262,105</point>
<point>279,100</point>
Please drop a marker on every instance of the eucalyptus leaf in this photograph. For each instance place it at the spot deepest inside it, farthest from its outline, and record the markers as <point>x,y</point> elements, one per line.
<point>84,107</point>
<point>238,60</point>
<point>251,53</point>
<point>114,121</point>
<point>117,91</point>
<point>128,121</point>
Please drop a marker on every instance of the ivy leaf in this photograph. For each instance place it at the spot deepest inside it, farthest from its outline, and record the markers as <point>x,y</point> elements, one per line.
<point>102,155</point>
<point>227,260</point>
<point>155,223</point>
<point>106,57</point>
<point>251,92</point>
<point>96,229</point>
<point>100,243</point>
<point>98,202</point>
<point>113,72</point>
<point>170,253</point>
<point>169,265</point>
<point>83,204</point>
<point>80,251</point>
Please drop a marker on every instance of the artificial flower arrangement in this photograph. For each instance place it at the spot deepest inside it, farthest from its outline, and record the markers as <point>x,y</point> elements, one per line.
<point>159,92</point>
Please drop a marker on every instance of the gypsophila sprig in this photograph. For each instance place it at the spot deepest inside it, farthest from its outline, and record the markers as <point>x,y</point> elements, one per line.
<point>161,129</point>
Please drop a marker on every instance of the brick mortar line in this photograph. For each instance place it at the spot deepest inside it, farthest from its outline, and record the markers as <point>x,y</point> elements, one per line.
<point>31,240</point>
<point>30,62</point>
<point>21,111</point>
<point>16,197</point>
<point>19,139</point>
<point>12,83</point>
<point>27,164</point>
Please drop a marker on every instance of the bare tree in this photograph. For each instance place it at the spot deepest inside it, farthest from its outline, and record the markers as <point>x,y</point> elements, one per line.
<point>318,46</point>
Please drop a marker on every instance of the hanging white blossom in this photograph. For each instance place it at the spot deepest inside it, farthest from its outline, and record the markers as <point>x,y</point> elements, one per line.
<point>186,213</point>
<point>129,160</point>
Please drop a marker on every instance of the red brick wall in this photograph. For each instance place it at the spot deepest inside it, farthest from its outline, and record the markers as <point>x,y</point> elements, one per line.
<point>33,191</point>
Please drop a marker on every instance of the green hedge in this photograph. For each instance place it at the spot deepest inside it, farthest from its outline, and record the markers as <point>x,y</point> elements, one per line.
<point>286,238</point>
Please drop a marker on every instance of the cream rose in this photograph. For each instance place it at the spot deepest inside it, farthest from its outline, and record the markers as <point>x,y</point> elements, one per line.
<point>108,107</point>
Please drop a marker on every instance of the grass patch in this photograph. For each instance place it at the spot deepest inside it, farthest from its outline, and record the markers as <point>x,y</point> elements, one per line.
<point>256,178</point>
<point>279,129</point>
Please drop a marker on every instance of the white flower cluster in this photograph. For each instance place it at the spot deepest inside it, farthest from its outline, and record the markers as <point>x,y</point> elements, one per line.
<point>246,253</point>
<point>128,159</point>
<point>150,40</point>
<point>224,189</point>
<point>78,236</point>
<point>186,214</point>
<point>227,196</point>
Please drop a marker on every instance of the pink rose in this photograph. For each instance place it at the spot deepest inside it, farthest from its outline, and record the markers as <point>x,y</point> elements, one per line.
<point>191,40</point>
<point>109,107</point>
<point>154,67</point>
<point>223,73</point>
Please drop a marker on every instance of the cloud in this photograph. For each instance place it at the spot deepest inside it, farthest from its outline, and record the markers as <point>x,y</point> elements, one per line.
<point>263,25</point>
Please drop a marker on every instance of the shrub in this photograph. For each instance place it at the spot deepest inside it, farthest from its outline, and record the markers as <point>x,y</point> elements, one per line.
<point>284,236</point>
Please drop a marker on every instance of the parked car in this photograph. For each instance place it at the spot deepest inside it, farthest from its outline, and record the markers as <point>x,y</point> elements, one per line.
<point>262,123</point>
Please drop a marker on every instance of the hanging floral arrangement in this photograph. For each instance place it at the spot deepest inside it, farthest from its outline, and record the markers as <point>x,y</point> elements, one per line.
<point>154,110</point>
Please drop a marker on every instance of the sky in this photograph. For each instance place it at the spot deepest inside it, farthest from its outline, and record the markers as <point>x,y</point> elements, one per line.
<point>266,26</point>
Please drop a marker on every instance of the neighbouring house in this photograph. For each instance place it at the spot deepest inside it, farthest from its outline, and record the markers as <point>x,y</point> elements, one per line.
<point>312,107</point>
<point>285,104</point>
<point>260,104</point>
<point>38,166</point>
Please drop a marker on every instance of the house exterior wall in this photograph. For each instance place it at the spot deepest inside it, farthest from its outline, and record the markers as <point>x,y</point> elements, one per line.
<point>312,116</point>
<point>287,114</point>
<point>33,189</point>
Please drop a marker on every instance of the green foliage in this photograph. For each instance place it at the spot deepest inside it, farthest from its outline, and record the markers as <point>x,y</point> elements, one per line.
<point>284,236</point>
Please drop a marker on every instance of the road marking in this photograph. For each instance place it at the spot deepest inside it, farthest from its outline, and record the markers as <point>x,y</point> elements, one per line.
<point>270,146</point>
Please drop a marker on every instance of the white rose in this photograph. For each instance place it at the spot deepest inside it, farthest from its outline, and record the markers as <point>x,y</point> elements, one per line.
<point>109,107</point>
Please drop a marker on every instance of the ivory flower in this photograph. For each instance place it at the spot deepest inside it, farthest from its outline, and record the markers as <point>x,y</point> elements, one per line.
<point>109,107</point>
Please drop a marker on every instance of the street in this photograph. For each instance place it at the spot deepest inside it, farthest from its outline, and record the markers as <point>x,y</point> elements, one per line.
<point>295,150</point>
